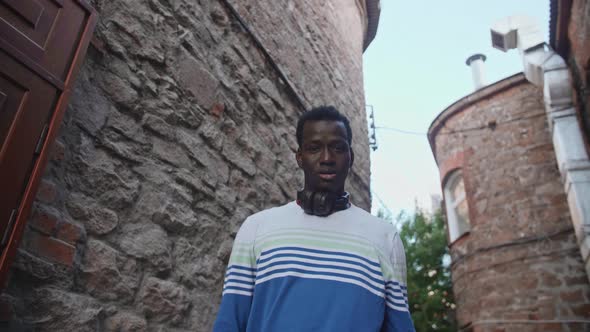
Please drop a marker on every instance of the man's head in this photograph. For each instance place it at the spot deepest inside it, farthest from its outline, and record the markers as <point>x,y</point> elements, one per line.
<point>325,154</point>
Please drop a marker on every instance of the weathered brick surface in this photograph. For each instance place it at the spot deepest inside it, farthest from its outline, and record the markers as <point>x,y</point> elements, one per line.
<point>44,221</point>
<point>520,262</point>
<point>178,129</point>
<point>51,248</point>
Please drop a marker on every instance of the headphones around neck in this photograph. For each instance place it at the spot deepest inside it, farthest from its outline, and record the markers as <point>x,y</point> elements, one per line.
<point>322,204</point>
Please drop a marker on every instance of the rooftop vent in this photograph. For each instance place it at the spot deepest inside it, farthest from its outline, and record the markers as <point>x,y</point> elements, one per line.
<point>477,70</point>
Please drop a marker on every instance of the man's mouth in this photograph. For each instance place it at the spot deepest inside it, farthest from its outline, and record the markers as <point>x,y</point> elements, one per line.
<point>327,176</point>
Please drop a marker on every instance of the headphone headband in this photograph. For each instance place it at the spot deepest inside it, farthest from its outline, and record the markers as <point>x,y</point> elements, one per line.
<point>321,203</point>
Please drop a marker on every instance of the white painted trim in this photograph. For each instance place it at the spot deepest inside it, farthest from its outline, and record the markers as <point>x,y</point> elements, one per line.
<point>546,69</point>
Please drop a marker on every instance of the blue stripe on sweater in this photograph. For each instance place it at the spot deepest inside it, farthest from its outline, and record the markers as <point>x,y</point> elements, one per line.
<point>317,251</point>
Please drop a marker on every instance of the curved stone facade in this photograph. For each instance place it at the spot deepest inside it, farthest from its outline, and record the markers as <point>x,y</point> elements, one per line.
<point>179,127</point>
<point>519,267</point>
<point>322,58</point>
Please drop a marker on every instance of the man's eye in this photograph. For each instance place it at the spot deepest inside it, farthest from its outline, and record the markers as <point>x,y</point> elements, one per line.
<point>313,148</point>
<point>339,148</point>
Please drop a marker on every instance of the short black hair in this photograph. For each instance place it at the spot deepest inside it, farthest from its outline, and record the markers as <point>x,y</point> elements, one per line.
<point>329,113</point>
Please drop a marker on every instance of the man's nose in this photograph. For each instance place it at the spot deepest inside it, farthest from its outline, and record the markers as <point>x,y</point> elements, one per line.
<point>327,157</point>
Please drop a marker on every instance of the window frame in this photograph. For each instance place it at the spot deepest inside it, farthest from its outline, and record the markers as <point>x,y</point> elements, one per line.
<point>451,204</point>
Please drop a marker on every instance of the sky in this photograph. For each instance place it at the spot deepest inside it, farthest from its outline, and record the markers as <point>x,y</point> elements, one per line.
<point>414,69</point>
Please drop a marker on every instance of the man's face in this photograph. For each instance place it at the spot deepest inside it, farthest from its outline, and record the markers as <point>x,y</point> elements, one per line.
<point>324,155</point>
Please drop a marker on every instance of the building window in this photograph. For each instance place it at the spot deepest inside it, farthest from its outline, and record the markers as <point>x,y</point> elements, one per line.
<point>456,204</point>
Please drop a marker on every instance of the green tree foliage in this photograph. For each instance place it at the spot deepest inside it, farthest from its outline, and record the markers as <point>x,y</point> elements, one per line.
<point>429,278</point>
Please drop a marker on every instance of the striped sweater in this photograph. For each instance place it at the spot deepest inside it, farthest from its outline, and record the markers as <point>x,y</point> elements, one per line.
<point>289,271</point>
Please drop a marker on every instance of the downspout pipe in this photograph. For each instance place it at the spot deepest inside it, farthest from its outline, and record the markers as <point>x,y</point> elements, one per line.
<point>546,69</point>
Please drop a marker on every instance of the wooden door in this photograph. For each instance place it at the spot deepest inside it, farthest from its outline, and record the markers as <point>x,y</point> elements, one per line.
<point>42,45</point>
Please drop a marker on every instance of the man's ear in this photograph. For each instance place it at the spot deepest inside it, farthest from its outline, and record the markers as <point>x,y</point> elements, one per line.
<point>298,158</point>
<point>351,158</point>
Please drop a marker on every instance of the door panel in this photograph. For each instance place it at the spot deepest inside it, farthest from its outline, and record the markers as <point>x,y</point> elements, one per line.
<point>16,24</point>
<point>30,11</point>
<point>30,101</point>
<point>13,94</point>
<point>52,39</point>
<point>42,45</point>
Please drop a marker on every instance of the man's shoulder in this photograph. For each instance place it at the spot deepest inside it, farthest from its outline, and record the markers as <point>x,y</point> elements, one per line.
<point>274,212</point>
<point>380,232</point>
<point>371,221</point>
<point>249,228</point>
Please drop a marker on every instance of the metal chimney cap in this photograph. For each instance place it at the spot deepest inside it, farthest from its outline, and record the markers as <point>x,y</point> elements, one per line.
<point>475,57</point>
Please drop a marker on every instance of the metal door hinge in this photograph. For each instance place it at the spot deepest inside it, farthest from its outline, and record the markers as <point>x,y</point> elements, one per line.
<point>41,139</point>
<point>8,230</point>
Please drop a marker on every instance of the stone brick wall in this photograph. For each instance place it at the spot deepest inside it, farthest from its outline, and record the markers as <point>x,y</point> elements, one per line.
<point>333,32</point>
<point>520,263</point>
<point>578,32</point>
<point>178,128</point>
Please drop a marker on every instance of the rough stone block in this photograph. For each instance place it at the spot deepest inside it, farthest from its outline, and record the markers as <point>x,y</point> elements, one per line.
<point>175,218</point>
<point>102,177</point>
<point>96,219</point>
<point>268,88</point>
<point>212,135</point>
<point>119,90</point>
<point>35,267</point>
<point>108,274</point>
<point>170,153</point>
<point>164,301</point>
<point>89,107</point>
<point>125,322</point>
<point>196,184</point>
<point>57,310</point>
<point>47,192</point>
<point>159,126</point>
<point>238,158</point>
<point>147,241</point>
<point>194,78</point>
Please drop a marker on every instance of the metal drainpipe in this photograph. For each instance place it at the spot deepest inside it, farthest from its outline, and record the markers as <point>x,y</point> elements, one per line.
<point>547,70</point>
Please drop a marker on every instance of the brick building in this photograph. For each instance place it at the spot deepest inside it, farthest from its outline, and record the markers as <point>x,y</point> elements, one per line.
<point>515,173</point>
<point>181,123</point>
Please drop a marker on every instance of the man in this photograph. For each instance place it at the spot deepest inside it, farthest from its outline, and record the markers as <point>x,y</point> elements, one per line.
<point>320,263</point>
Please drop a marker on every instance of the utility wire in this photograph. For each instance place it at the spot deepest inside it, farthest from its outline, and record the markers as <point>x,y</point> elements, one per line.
<point>401,131</point>
<point>383,205</point>
<point>492,125</point>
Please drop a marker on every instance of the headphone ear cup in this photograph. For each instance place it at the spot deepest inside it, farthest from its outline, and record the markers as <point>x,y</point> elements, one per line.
<point>305,199</point>
<point>342,202</point>
<point>323,203</point>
